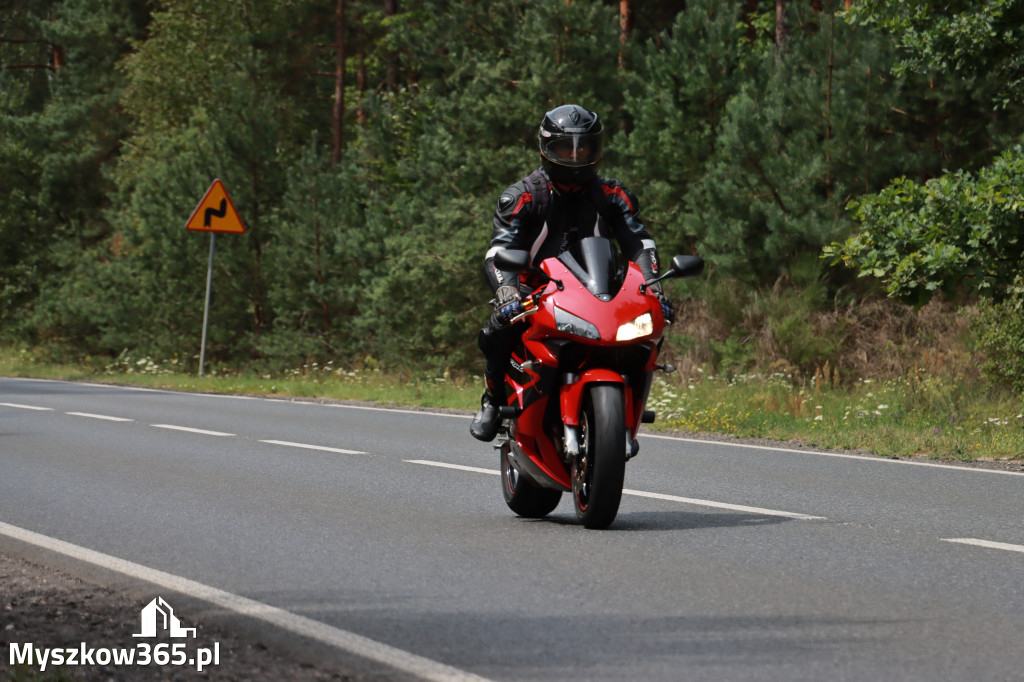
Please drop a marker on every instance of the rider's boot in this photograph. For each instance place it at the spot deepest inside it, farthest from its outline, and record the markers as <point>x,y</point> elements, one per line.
<point>485,424</point>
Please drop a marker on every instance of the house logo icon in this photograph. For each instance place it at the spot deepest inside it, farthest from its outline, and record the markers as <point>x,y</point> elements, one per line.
<point>159,614</point>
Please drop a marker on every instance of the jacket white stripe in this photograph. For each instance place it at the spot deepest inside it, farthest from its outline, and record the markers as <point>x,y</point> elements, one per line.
<point>539,241</point>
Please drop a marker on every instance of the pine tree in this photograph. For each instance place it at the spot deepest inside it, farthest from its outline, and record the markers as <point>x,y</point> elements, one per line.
<point>63,130</point>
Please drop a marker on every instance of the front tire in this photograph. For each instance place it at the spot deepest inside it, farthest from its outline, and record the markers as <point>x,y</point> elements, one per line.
<point>600,470</point>
<point>522,496</point>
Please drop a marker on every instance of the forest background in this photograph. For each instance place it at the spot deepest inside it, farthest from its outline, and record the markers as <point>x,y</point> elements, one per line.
<point>851,171</point>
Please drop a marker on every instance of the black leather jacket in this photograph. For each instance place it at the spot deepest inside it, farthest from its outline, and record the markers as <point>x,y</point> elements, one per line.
<point>535,216</point>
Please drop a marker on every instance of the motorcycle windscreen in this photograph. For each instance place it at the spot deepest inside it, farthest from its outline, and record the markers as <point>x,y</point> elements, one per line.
<point>598,265</point>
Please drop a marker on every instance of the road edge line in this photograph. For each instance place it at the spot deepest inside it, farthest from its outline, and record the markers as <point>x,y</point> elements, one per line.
<point>300,625</point>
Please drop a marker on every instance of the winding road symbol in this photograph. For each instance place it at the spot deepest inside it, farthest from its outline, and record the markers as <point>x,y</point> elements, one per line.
<point>219,213</point>
<point>215,212</point>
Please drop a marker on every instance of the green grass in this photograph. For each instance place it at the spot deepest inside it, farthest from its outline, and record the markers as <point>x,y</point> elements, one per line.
<point>915,415</point>
<point>311,381</point>
<point>919,415</point>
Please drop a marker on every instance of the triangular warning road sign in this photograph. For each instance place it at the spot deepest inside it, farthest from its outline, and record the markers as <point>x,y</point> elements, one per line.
<point>215,213</point>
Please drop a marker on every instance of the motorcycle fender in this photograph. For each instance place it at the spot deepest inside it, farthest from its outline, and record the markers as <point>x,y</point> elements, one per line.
<point>571,394</point>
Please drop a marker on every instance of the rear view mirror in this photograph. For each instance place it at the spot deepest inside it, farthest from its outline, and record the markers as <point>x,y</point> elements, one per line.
<point>512,260</point>
<point>687,266</point>
<point>682,266</point>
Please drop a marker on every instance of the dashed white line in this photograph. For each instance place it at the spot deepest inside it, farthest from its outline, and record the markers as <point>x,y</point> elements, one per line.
<point>27,407</point>
<point>104,417</point>
<point>640,493</point>
<point>307,446</point>
<point>426,412</point>
<point>188,429</point>
<point>399,659</point>
<point>986,543</point>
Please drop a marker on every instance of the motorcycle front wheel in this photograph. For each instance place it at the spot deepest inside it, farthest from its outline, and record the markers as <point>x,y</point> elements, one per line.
<point>521,495</point>
<point>600,470</point>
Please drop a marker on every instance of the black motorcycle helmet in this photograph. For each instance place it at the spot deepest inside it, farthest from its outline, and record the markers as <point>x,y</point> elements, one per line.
<point>571,142</point>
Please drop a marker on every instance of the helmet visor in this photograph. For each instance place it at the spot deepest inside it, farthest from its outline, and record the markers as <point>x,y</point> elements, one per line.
<point>572,149</point>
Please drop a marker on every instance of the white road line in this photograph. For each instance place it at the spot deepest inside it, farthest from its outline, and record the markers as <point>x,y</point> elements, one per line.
<point>313,447</point>
<point>191,430</point>
<point>445,465</point>
<point>27,407</point>
<point>99,416</point>
<point>986,543</point>
<point>340,639</point>
<point>724,505</point>
<point>641,493</point>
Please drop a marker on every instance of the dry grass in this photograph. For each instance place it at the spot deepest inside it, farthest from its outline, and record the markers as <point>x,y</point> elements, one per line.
<point>870,339</point>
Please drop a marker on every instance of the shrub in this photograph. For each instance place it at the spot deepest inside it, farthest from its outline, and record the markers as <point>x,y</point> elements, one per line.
<point>1000,329</point>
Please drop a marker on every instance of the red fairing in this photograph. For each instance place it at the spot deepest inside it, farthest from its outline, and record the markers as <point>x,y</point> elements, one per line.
<point>607,316</point>
<point>544,368</point>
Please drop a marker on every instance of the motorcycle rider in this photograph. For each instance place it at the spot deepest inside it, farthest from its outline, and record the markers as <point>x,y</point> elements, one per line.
<point>560,203</point>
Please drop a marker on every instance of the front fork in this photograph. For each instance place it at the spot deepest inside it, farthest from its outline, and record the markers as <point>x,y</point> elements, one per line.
<point>572,437</point>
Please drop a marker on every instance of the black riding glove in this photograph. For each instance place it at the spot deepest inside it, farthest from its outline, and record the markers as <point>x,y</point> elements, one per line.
<point>507,304</point>
<point>666,308</point>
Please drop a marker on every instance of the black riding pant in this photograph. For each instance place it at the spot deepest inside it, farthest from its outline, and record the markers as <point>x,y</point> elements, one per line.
<point>497,343</point>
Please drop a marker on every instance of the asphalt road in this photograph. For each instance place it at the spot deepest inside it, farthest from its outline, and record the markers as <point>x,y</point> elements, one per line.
<point>725,562</point>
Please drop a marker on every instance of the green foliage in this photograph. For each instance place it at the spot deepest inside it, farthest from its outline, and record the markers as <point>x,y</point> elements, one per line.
<point>974,38</point>
<point>738,150</point>
<point>1000,328</point>
<point>964,226</point>
<point>456,142</point>
<point>62,127</point>
<point>750,152</point>
<point>786,318</point>
<point>677,101</point>
<point>319,263</point>
<point>921,238</point>
<point>733,355</point>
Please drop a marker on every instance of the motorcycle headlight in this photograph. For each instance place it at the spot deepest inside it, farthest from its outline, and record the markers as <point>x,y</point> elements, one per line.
<point>577,326</point>
<point>641,326</point>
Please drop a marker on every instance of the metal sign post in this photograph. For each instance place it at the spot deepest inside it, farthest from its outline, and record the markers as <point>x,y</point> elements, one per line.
<point>206,308</point>
<point>215,204</point>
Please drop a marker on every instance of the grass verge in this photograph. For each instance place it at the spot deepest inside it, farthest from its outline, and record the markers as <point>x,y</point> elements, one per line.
<point>310,381</point>
<point>915,415</point>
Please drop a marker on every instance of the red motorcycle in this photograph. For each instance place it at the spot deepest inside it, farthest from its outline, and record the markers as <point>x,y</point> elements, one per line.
<point>578,383</point>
